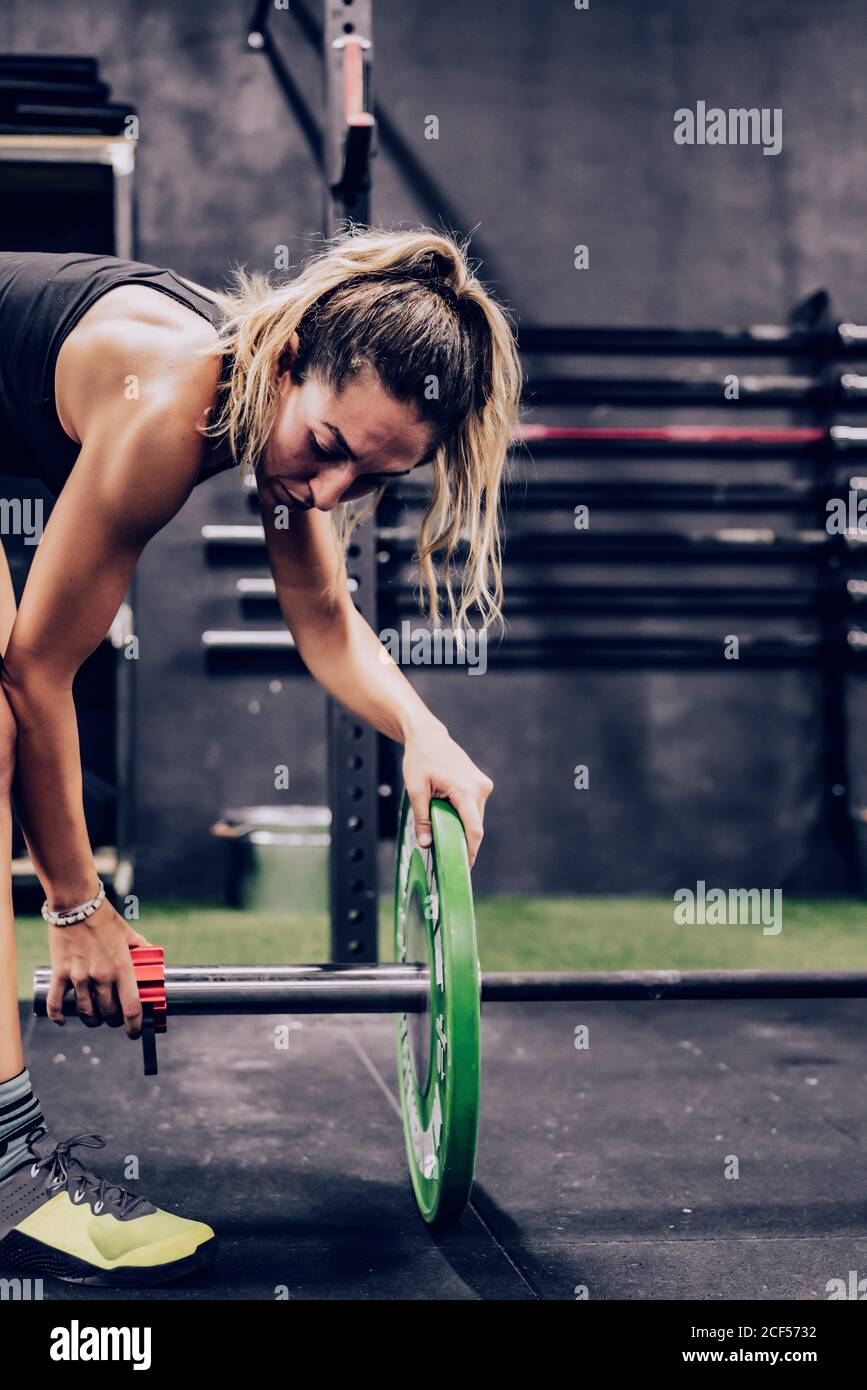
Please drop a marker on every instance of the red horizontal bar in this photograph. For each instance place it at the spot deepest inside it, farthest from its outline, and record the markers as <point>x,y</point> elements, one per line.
<point>675,434</point>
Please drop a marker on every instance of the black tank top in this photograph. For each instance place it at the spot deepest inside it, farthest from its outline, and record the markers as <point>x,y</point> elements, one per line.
<point>42,298</point>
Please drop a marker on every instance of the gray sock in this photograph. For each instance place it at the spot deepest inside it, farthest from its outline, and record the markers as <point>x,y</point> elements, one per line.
<point>20,1119</point>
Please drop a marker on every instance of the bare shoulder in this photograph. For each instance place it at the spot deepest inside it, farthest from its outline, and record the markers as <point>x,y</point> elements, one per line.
<point>135,347</point>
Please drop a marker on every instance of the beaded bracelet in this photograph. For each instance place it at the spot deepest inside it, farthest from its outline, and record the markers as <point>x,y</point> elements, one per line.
<point>70,915</point>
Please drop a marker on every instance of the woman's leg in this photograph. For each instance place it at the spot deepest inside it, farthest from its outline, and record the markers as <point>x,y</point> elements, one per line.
<point>56,1216</point>
<point>20,1116</point>
<point>11,1051</point>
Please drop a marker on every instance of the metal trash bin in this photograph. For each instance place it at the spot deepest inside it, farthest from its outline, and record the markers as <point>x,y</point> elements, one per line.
<point>278,857</point>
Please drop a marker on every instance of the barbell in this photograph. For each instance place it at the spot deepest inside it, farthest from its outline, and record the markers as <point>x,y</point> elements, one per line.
<point>435,987</point>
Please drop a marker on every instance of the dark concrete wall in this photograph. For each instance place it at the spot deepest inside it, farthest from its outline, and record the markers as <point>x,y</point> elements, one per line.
<point>556,128</point>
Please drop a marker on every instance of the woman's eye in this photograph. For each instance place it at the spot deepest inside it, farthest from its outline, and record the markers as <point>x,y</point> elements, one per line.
<point>321,453</point>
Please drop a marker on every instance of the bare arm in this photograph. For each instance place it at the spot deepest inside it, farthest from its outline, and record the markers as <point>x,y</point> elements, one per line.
<point>137,464</point>
<point>127,482</point>
<point>344,654</point>
<point>336,644</point>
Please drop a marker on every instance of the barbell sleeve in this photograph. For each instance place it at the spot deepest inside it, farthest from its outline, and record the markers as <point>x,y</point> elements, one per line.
<point>274,989</point>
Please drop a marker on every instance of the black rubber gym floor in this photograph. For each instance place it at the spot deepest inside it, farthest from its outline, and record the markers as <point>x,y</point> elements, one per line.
<point>601,1168</point>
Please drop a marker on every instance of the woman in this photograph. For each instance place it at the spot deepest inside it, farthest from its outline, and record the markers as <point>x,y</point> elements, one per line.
<point>122,387</point>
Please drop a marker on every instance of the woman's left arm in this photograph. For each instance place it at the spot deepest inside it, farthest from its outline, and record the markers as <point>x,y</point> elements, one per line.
<point>343,653</point>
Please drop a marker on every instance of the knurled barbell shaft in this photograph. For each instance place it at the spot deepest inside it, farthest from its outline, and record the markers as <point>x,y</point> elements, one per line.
<point>271,989</point>
<point>511,987</point>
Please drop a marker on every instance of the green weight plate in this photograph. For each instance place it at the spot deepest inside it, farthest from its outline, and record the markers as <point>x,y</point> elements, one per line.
<point>439,1051</point>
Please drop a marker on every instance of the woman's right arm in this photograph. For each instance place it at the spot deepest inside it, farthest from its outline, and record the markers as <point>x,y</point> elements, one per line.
<point>138,461</point>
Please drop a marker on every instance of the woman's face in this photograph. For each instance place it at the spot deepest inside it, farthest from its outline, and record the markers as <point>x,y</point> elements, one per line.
<point>328,447</point>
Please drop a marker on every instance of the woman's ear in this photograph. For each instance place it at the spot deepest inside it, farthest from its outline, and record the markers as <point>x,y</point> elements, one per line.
<point>288,355</point>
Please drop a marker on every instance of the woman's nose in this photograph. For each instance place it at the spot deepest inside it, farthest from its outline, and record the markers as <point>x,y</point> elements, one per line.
<point>329,486</point>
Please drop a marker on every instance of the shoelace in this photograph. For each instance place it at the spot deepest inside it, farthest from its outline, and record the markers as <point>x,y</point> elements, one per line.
<point>65,1169</point>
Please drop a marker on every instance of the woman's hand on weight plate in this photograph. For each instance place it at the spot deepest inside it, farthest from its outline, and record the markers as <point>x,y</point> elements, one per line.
<point>434,765</point>
<point>93,956</point>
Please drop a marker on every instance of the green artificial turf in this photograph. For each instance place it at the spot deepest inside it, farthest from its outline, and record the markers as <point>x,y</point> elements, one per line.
<point>517,934</point>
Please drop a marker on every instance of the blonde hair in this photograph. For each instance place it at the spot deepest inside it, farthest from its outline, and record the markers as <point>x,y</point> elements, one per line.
<point>408,305</point>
